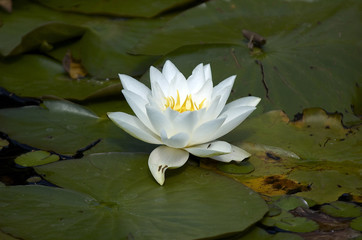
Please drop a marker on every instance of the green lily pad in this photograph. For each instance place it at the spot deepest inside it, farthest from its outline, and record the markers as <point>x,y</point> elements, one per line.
<point>65,127</point>
<point>356,224</point>
<point>36,158</point>
<point>115,189</point>
<point>36,76</point>
<point>297,224</point>
<point>315,157</point>
<point>290,202</point>
<point>310,58</point>
<point>35,27</point>
<point>342,209</point>
<point>288,222</point>
<point>125,8</point>
<point>31,26</point>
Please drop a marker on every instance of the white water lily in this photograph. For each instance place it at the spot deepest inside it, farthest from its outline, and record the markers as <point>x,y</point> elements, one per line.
<point>184,116</point>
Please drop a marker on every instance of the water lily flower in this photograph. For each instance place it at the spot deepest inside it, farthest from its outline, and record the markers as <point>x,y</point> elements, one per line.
<point>183,116</point>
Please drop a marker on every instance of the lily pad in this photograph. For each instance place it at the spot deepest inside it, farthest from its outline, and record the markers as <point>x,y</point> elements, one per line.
<point>65,127</point>
<point>36,158</point>
<point>315,157</point>
<point>342,209</point>
<point>115,189</point>
<point>125,8</point>
<point>36,76</point>
<point>35,27</point>
<point>288,222</point>
<point>310,58</point>
<point>357,224</point>
<point>290,202</point>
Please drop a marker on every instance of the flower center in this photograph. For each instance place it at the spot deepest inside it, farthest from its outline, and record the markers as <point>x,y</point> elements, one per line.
<point>187,105</point>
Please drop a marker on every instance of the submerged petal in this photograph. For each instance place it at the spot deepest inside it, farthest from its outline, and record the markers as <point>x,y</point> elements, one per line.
<point>164,157</point>
<point>134,127</point>
<point>131,84</point>
<point>237,154</point>
<point>210,149</point>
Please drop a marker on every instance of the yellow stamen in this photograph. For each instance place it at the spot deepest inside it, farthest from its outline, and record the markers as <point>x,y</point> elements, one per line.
<point>188,104</point>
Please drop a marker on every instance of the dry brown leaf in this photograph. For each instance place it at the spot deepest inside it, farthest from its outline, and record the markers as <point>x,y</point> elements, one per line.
<point>73,67</point>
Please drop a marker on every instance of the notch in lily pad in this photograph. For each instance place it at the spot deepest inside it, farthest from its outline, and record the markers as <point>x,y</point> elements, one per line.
<point>36,158</point>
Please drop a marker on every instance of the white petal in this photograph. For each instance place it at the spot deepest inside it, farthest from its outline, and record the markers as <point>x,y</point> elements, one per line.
<point>197,79</point>
<point>186,121</point>
<point>178,140</point>
<point>158,120</point>
<point>178,84</point>
<point>138,106</point>
<point>245,101</point>
<point>234,117</point>
<point>237,154</point>
<point>207,72</point>
<point>204,93</point>
<point>135,86</point>
<point>205,132</point>
<point>156,77</point>
<point>169,70</point>
<point>163,158</point>
<point>210,149</point>
<point>223,90</point>
<point>134,127</point>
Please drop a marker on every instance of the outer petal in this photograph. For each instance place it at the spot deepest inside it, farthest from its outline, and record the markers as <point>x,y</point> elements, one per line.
<point>234,117</point>
<point>245,101</point>
<point>178,140</point>
<point>163,158</point>
<point>135,86</point>
<point>223,90</point>
<point>237,154</point>
<point>210,149</point>
<point>204,132</point>
<point>138,106</point>
<point>157,77</point>
<point>158,120</point>
<point>134,127</point>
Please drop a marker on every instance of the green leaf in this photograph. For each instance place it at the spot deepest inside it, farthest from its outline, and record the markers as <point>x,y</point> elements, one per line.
<point>290,202</point>
<point>125,8</point>
<point>315,157</point>
<point>102,191</point>
<point>100,43</point>
<point>356,224</point>
<point>342,209</point>
<point>36,76</point>
<point>65,127</point>
<point>310,58</point>
<point>288,222</point>
<point>36,158</point>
